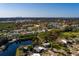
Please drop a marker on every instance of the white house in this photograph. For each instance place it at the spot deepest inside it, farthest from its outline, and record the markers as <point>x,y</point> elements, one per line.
<point>35,54</point>
<point>46,44</point>
<point>39,48</point>
<point>64,41</point>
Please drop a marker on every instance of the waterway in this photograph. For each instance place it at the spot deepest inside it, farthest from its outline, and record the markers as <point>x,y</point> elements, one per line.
<point>11,47</point>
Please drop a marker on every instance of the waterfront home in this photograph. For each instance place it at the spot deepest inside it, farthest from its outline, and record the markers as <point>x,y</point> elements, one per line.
<point>13,40</point>
<point>25,50</point>
<point>25,47</point>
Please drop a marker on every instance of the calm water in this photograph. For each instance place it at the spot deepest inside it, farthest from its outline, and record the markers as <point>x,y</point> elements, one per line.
<point>11,48</point>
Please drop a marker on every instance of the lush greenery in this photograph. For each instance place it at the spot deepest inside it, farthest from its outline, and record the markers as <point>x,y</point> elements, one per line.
<point>7,26</point>
<point>26,36</point>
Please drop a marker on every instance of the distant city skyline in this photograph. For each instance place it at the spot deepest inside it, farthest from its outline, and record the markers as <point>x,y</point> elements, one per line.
<point>39,9</point>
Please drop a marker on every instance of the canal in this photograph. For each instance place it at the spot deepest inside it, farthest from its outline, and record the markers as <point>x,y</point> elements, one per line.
<point>11,47</point>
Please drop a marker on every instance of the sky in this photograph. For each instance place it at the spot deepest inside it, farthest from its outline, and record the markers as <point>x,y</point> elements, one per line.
<point>39,9</point>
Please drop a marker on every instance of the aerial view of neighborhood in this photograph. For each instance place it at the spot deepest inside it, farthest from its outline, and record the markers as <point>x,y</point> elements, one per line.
<point>37,34</point>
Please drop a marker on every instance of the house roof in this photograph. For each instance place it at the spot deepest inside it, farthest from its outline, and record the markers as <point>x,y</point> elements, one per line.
<point>64,41</point>
<point>35,54</point>
<point>46,44</point>
<point>39,48</point>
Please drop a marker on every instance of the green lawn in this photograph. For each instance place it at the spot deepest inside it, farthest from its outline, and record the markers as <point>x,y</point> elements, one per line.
<point>70,34</point>
<point>7,26</point>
